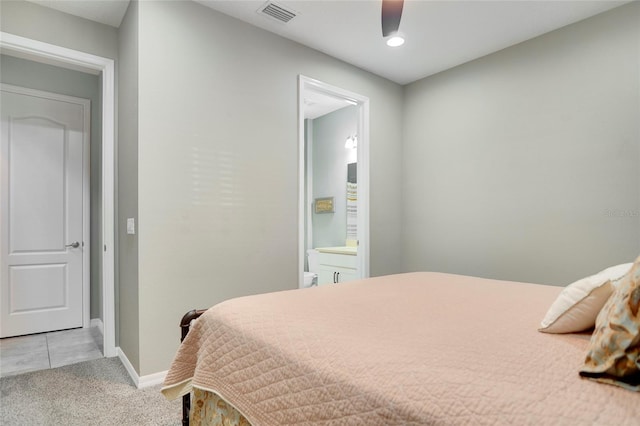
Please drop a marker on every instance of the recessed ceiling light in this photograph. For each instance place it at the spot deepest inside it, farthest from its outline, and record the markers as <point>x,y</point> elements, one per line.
<point>395,41</point>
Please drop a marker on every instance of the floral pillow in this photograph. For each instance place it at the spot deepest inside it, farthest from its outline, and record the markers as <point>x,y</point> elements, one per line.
<point>614,350</point>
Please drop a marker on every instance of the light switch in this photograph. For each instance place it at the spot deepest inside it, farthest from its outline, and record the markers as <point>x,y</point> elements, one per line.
<point>131,226</point>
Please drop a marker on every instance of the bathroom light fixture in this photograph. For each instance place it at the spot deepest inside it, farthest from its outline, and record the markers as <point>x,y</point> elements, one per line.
<point>352,142</point>
<point>395,41</point>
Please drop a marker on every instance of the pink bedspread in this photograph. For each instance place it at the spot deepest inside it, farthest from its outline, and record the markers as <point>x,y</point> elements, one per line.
<point>408,349</point>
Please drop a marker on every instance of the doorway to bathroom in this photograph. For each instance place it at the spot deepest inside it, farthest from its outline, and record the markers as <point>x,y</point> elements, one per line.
<point>333,133</point>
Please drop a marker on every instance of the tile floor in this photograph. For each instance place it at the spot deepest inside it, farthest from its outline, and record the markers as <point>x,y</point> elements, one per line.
<point>49,350</point>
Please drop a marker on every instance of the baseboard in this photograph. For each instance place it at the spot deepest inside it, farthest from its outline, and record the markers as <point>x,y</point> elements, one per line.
<point>127,366</point>
<point>152,379</point>
<point>140,381</point>
<point>97,322</point>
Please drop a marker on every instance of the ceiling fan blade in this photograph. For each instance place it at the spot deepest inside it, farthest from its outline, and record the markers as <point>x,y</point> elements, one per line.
<point>391,15</point>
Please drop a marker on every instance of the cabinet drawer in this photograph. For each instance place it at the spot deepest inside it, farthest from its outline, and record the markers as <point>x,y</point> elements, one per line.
<point>327,274</point>
<point>340,260</point>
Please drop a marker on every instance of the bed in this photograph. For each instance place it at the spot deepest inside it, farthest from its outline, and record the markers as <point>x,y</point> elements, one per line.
<point>406,349</point>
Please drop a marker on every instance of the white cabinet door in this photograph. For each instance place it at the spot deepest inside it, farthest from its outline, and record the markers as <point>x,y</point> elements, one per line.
<point>41,212</point>
<point>334,274</point>
<point>336,268</point>
<point>325,275</point>
<point>347,275</point>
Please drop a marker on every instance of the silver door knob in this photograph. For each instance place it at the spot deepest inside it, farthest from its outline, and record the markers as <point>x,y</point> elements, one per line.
<point>73,245</point>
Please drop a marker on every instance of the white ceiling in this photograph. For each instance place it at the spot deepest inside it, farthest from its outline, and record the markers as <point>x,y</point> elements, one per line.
<point>439,34</point>
<point>317,104</point>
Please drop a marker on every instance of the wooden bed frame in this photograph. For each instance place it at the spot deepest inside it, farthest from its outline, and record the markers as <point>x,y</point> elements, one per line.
<point>185,323</point>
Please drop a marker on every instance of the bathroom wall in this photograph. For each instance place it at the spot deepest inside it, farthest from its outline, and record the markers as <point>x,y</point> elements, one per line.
<point>35,75</point>
<point>330,159</point>
<point>308,200</point>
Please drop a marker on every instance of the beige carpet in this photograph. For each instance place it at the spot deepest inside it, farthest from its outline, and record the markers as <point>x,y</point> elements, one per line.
<point>97,392</point>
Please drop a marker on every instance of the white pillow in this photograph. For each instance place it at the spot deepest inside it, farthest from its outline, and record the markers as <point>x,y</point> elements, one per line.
<point>578,305</point>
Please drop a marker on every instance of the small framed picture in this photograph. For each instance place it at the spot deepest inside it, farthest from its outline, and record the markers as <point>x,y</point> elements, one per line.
<point>324,205</point>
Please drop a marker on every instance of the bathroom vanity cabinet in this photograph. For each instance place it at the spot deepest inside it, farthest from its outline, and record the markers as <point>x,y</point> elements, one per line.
<point>337,265</point>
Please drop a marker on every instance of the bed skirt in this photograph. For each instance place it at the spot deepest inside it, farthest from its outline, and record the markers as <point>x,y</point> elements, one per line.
<point>207,408</point>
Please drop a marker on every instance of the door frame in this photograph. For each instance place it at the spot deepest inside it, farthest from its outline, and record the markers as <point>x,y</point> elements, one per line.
<point>362,102</point>
<point>86,188</point>
<point>74,59</point>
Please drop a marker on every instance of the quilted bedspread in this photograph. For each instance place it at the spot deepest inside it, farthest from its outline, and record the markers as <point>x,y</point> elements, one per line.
<point>408,349</point>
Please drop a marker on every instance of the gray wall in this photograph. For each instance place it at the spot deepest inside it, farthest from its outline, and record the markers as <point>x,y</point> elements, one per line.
<point>330,159</point>
<point>128,75</point>
<point>34,75</point>
<point>218,113</point>
<point>524,165</point>
<point>30,20</point>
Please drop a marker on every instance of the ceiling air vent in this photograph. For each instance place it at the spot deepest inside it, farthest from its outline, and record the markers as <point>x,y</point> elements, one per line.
<point>277,11</point>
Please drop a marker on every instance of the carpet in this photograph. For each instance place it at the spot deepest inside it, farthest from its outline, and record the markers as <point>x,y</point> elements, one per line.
<point>97,392</point>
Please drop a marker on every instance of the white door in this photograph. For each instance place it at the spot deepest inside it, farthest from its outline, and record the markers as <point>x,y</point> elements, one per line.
<point>44,146</point>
